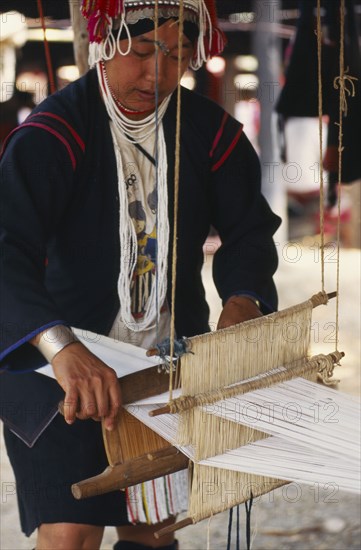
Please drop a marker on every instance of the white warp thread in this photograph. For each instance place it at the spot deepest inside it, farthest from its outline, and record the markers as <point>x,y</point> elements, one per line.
<point>321,444</point>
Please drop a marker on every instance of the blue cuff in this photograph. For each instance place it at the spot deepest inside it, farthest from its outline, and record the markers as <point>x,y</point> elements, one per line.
<point>14,347</point>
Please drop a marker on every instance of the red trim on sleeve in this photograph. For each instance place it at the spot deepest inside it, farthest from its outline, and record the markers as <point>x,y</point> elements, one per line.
<point>75,134</point>
<point>218,134</point>
<point>228,151</point>
<point>56,134</point>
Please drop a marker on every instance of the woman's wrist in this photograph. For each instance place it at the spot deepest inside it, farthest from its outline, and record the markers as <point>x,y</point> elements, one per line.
<point>53,340</point>
<point>238,298</point>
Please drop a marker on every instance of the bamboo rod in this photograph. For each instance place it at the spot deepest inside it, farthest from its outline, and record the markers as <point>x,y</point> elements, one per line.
<point>188,402</point>
<point>144,468</point>
<point>322,298</point>
<point>172,528</point>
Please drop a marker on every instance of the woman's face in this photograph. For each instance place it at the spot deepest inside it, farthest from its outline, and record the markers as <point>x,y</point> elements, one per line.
<point>133,77</point>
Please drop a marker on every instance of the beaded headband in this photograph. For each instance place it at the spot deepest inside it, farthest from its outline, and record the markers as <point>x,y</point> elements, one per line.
<point>109,21</point>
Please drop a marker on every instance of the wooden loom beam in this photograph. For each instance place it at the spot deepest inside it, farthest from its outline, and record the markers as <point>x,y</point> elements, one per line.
<point>174,527</point>
<point>124,471</point>
<point>144,468</point>
<point>300,368</point>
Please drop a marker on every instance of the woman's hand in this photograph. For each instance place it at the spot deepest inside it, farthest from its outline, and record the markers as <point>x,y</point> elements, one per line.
<point>91,387</point>
<point>236,310</point>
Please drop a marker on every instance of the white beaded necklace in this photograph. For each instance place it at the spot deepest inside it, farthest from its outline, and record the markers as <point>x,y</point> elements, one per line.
<point>138,131</point>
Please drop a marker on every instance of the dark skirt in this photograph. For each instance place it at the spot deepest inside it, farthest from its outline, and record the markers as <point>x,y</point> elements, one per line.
<point>44,474</point>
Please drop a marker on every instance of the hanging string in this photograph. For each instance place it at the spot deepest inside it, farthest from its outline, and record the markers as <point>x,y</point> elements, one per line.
<point>230,521</point>
<point>344,90</point>
<point>340,81</point>
<point>320,112</point>
<point>248,506</point>
<point>229,536</point>
<point>209,532</point>
<point>176,193</point>
<point>342,109</point>
<point>156,157</point>
<point>238,546</point>
<point>49,65</point>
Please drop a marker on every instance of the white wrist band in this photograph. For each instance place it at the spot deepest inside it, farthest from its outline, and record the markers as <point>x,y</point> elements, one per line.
<point>55,339</point>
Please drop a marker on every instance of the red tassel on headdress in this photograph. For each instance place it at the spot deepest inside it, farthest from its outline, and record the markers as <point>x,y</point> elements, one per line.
<point>99,13</point>
<point>219,40</point>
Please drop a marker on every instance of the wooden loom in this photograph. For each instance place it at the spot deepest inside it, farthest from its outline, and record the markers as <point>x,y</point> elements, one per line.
<point>222,364</point>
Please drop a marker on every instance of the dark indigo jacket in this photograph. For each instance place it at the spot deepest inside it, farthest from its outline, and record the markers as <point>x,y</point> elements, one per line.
<point>60,239</point>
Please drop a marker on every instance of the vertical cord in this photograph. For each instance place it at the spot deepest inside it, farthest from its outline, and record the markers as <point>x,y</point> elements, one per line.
<point>320,109</point>
<point>340,135</point>
<point>176,192</point>
<point>238,546</point>
<point>229,537</point>
<point>49,65</point>
<point>156,158</point>
<point>248,506</point>
<point>209,532</point>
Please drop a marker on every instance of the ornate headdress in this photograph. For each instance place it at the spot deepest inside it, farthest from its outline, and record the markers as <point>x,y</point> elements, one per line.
<point>109,21</point>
